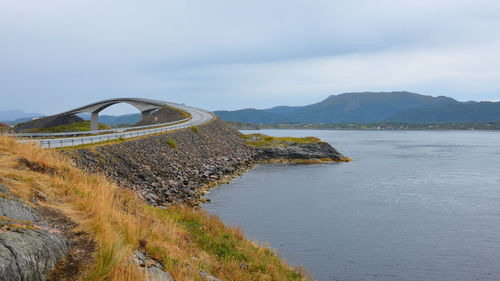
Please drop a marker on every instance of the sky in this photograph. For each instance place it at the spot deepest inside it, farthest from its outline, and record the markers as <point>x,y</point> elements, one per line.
<point>56,55</point>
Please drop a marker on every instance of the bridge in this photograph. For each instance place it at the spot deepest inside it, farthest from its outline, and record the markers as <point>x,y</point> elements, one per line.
<point>145,106</point>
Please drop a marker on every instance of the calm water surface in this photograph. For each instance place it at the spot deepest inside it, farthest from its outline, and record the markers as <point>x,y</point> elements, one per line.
<point>412,205</point>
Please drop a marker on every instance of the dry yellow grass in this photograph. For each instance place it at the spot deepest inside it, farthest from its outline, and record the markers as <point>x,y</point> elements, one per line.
<point>184,240</point>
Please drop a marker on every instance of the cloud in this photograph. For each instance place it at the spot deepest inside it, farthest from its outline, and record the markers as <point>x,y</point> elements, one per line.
<point>462,72</point>
<point>232,54</point>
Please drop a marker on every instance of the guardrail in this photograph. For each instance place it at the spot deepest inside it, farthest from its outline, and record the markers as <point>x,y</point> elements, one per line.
<point>74,141</point>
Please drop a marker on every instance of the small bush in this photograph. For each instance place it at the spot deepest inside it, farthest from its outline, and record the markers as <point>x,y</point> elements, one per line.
<point>171,142</point>
<point>195,129</point>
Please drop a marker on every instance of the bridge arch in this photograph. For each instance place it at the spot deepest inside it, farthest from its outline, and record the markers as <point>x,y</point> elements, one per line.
<point>145,106</point>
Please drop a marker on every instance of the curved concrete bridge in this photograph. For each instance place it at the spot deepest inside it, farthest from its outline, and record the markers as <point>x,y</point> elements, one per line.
<point>145,106</point>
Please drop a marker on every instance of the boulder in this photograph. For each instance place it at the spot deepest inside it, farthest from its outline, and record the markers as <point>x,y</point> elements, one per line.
<point>29,250</point>
<point>154,271</point>
<point>16,209</point>
<point>207,277</point>
<point>30,254</point>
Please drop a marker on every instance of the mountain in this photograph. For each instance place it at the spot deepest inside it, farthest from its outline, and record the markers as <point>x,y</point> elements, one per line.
<point>282,109</point>
<point>250,115</point>
<point>9,116</point>
<point>361,107</point>
<point>451,113</point>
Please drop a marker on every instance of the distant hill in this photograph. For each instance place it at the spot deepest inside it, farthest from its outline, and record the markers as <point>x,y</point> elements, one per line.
<point>12,116</point>
<point>368,107</point>
<point>46,122</point>
<point>112,121</point>
<point>250,115</point>
<point>451,113</point>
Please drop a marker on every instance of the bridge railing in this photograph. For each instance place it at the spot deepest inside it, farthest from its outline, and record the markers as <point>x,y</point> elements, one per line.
<point>75,141</point>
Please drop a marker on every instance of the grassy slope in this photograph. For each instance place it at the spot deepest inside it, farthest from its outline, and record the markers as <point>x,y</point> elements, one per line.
<point>183,239</point>
<point>164,115</point>
<point>73,127</point>
<point>259,140</point>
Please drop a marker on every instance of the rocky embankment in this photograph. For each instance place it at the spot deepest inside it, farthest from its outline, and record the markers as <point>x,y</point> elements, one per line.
<point>178,167</point>
<point>172,167</point>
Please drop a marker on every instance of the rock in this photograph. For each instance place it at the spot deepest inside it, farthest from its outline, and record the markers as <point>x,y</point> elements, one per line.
<point>36,167</point>
<point>305,151</point>
<point>28,251</point>
<point>30,254</point>
<point>153,269</point>
<point>229,170</point>
<point>207,277</point>
<point>15,208</point>
<point>40,196</point>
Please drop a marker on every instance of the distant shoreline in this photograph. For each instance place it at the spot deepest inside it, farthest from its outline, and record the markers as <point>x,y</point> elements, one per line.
<point>484,126</point>
<point>356,129</point>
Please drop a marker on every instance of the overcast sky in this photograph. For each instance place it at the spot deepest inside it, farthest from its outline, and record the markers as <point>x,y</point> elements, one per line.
<point>58,54</point>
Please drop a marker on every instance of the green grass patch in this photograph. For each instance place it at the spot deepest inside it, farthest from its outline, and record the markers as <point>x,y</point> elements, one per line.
<point>260,140</point>
<point>73,127</point>
<point>184,114</point>
<point>171,142</point>
<point>227,244</point>
<point>195,129</point>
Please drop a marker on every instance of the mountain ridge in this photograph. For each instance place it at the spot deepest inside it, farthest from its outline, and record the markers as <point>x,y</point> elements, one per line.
<point>8,116</point>
<point>369,107</point>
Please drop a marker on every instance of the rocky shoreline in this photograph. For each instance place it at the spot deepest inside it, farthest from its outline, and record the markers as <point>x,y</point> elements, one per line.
<point>179,167</point>
<point>174,167</point>
<point>294,150</point>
